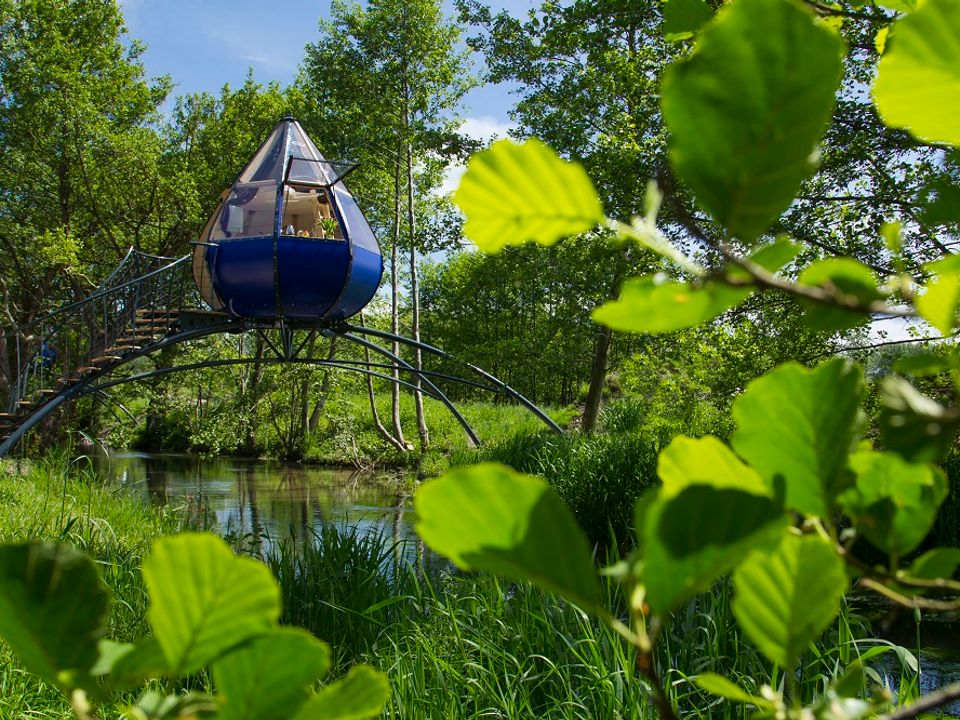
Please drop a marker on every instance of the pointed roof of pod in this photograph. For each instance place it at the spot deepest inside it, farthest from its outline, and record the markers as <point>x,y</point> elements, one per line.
<point>289,155</point>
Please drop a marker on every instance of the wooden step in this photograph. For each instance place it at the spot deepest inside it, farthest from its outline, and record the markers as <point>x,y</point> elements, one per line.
<point>104,359</point>
<point>137,341</point>
<point>49,392</point>
<point>120,349</point>
<point>26,403</point>
<point>87,369</point>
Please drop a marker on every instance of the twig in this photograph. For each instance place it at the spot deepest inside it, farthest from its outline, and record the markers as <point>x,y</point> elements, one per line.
<point>918,603</point>
<point>826,295</point>
<point>927,702</point>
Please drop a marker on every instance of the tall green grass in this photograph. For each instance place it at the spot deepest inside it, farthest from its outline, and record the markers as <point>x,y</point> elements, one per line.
<point>598,476</point>
<point>476,646</point>
<point>344,585</point>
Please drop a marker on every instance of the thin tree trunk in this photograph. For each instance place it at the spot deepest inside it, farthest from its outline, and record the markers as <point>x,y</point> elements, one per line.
<point>321,403</point>
<point>305,392</point>
<point>422,430</point>
<point>598,372</point>
<point>381,428</point>
<point>250,441</point>
<point>395,305</point>
<point>598,375</point>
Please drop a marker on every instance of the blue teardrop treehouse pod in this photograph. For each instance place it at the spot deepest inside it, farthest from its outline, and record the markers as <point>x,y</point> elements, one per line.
<point>288,241</point>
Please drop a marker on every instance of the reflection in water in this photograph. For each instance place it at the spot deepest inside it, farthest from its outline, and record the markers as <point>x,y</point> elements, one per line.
<point>255,503</point>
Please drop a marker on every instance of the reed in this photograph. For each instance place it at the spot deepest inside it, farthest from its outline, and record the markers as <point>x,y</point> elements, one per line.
<point>345,584</point>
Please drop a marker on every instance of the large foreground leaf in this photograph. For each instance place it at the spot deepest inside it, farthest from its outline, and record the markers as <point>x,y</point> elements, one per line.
<point>363,693</point>
<point>53,609</point>
<point>914,425</point>
<point>512,194</point>
<point>683,18</point>
<point>849,278</point>
<point>787,597</point>
<point>796,425</point>
<point>205,600</point>
<point>650,304</point>
<point>647,305</point>
<point>918,78</point>
<point>711,510</point>
<point>489,517</point>
<point>691,539</point>
<point>271,677</point>
<point>941,297</point>
<point>747,109</point>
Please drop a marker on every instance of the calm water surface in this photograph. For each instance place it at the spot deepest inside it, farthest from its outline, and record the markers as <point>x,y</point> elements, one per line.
<point>264,501</point>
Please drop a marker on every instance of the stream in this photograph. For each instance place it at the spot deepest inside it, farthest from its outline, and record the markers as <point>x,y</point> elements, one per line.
<point>257,503</point>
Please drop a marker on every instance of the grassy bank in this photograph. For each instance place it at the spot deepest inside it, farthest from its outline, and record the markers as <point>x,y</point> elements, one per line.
<point>52,499</point>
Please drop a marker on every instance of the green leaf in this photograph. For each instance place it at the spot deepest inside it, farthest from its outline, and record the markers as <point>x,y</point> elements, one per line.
<point>918,77</point>
<point>270,677</point>
<point>138,663</point>
<point>514,193</point>
<point>205,600</point>
<point>938,304</point>
<point>490,517</point>
<point>748,107</point>
<point>683,18</point>
<point>53,610</point>
<point>698,535</point>
<point>785,430</point>
<point>362,693</point>
<point>158,706</point>
<point>894,503</point>
<point>941,562</point>
<point>650,305</point>
<point>709,511</point>
<point>705,461</point>
<point>722,687</point>
<point>776,255</point>
<point>927,362</point>
<point>941,201</point>
<point>852,682</point>
<point>902,6</point>
<point>913,425</point>
<point>787,597</point>
<point>851,280</point>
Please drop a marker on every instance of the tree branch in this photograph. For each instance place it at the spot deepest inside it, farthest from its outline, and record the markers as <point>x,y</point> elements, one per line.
<point>927,702</point>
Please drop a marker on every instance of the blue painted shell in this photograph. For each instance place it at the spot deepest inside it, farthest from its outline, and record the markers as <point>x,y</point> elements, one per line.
<point>288,240</point>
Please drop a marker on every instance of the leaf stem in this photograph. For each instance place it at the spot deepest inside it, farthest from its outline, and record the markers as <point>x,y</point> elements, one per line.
<point>646,234</point>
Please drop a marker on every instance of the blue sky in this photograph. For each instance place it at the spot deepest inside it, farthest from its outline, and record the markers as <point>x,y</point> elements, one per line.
<point>203,44</point>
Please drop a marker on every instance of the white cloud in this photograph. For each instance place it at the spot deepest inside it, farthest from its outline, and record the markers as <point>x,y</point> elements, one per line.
<point>486,129</point>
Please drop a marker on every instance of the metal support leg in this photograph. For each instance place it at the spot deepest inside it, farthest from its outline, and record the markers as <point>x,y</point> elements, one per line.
<point>347,327</point>
<point>439,394</point>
